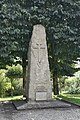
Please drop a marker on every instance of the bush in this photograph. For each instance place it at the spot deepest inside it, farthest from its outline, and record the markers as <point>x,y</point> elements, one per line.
<point>72,85</point>
<point>18,89</point>
<point>2,88</point>
<point>14,73</point>
<point>11,82</point>
<point>3,85</point>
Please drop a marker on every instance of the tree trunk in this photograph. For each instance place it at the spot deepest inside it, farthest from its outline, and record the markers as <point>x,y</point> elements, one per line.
<point>24,76</point>
<point>24,65</point>
<point>24,72</point>
<point>54,70</point>
<point>55,84</point>
<point>11,87</point>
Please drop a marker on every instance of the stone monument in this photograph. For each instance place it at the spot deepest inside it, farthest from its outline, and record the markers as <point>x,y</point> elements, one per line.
<point>38,84</point>
<point>40,88</point>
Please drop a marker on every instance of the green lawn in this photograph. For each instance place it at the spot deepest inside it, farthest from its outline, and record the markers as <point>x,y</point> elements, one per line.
<point>11,98</point>
<point>74,98</point>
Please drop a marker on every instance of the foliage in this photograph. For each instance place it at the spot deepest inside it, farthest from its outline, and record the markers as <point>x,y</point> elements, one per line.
<point>61,19</point>
<point>64,37</point>
<point>16,88</point>
<point>72,85</point>
<point>17,85</point>
<point>14,72</point>
<point>3,83</point>
<point>14,31</point>
<point>6,85</point>
<point>77,74</point>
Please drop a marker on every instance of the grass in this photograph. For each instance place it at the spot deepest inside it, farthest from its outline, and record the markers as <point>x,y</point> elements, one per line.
<point>74,98</point>
<point>11,98</point>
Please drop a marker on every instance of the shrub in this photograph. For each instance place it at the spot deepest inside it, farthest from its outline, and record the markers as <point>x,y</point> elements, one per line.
<point>13,74</point>
<point>10,85</point>
<point>3,85</point>
<point>18,89</point>
<point>72,85</point>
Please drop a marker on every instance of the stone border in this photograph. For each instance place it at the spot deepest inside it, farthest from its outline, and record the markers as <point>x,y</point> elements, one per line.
<point>23,105</point>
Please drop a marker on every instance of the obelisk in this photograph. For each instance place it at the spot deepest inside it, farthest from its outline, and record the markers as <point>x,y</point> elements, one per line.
<point>39,88</point>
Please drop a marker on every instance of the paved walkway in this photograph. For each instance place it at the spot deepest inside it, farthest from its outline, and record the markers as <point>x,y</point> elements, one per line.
<point>8,112</point>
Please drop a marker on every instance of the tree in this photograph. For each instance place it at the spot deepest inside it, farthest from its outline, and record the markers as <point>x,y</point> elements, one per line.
<point>64,35</point>
<point>15,34</point>
<point>61,19</point>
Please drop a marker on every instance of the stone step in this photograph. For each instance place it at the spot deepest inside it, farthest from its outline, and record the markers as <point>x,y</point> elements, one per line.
<point>23,105</point>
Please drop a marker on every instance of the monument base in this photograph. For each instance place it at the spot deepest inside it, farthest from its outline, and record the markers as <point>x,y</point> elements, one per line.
<point>23,105</point>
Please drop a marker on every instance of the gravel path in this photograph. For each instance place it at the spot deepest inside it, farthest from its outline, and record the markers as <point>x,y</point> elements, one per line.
<point>10,113</point>
<point>2,117</point>
<point>45,114</point>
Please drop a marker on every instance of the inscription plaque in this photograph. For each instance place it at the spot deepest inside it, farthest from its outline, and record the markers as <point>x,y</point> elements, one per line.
<point>40,96</point>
